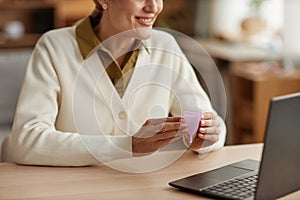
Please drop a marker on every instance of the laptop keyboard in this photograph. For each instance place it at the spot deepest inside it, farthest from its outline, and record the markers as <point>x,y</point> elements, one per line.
<point>238,188</point>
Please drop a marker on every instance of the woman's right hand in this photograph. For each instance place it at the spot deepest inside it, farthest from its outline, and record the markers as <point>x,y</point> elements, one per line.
<point>157,133</point>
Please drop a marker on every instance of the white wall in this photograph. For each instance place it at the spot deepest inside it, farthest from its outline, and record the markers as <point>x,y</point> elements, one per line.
<point>291,36</point>
<point>225,16</point>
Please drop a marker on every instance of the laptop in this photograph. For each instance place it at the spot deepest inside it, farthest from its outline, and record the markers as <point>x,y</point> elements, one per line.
<point>278,172</point>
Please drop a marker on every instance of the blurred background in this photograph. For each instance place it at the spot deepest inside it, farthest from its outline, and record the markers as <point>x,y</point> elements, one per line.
<point>254,43</point>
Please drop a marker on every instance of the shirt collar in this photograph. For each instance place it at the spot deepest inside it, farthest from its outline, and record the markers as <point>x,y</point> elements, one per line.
<point>87,39</point>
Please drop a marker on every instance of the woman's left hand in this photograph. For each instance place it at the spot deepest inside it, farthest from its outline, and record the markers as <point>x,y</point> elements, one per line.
<point>208,132</point>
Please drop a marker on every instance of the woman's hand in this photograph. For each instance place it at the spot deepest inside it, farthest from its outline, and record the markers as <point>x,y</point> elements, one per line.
<point>208,132</point>
<point>157,133</point>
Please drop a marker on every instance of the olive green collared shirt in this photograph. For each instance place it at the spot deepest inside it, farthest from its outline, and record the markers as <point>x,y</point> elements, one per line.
<point>120,76</point>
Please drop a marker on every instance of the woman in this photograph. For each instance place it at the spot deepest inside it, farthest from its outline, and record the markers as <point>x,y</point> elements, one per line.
<point>53,125</point>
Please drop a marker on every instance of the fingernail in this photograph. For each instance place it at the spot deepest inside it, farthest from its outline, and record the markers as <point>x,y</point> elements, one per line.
<point>202,130</point>
<point>201,136</point>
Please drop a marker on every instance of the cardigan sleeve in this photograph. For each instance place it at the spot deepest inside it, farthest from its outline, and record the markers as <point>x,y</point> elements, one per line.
<point>190,96</point>
<point>36,141</point>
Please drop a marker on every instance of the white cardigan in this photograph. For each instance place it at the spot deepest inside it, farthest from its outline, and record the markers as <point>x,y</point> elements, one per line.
<point>69,113</point>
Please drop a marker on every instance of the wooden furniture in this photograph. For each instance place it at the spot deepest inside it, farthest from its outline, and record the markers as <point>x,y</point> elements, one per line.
<point>179,15</point>
<point>33,18</point>
<point>252,87</point>
<point>69,12</point>
<point>37,17</point>
<point>26,41</point>
<point>102,182</point>
<point>227,55</point>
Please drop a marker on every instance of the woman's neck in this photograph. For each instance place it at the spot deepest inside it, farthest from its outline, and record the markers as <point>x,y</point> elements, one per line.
<point>118,44</point>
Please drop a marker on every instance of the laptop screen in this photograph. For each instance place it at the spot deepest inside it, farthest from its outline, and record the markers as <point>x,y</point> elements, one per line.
<point>279,170</point>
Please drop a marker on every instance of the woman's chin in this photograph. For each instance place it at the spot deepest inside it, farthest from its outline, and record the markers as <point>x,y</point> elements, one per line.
<point>141,33</point>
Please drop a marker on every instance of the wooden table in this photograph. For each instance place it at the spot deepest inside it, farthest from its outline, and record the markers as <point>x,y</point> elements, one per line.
<point>102,182</point>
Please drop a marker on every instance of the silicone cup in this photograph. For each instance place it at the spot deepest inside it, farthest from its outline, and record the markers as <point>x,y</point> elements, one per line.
<point>192,119</point>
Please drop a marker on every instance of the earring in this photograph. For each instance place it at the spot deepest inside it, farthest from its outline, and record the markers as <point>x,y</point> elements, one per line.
<point>104,6</point>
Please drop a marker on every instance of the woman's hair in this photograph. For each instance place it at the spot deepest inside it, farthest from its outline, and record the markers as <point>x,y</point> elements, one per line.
<point>98,6</point>
<point>96,14</point>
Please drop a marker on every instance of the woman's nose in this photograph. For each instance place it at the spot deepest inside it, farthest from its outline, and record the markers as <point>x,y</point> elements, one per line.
<point>152,6</point>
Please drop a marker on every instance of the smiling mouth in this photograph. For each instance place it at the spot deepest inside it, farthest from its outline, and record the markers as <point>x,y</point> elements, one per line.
<point>145,21</point>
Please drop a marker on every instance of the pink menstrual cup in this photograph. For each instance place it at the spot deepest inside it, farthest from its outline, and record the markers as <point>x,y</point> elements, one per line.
<point>192,119</point>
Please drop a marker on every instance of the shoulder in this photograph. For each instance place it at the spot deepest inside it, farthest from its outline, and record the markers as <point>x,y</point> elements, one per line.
<point>61,36</point>
<point>58,43</point>
<point>162,34</point>
<point>163,40</point>
<point>159,36</point>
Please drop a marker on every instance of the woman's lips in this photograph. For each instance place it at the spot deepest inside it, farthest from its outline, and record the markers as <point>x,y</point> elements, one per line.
<point>145,21</point>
